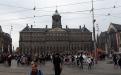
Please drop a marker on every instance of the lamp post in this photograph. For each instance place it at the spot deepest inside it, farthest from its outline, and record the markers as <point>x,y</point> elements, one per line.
<point>10,44</point>
<point>94,40</point>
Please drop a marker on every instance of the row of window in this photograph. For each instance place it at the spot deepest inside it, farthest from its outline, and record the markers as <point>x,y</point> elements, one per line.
<point>57,34</point>
<point>59,47</point>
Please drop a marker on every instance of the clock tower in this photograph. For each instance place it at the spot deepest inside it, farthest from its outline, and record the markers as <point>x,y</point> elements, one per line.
<point>56,20</point>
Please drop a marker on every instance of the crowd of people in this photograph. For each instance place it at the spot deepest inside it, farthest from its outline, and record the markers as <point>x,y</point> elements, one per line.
<point>82,60</point>
<point>6,58</point>
<point>59,60</point>
<point>25,59</point>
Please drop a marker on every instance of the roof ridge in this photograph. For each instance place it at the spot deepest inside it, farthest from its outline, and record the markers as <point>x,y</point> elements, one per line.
<point>115,24</point>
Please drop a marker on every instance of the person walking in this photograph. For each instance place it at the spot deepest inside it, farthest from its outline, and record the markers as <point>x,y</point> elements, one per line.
<point>35,70</point>
<point>57,62</point>
<point>119,62</point>
<point>89,61</point>
<point>81,61</point>
<point>115,60</point>
<point>77,60</point>
<point>9,59</point>
<point>72,59</point>
<point>18,59</point>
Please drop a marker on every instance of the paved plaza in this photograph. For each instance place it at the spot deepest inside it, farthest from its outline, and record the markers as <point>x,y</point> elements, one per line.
<point>102,68</point>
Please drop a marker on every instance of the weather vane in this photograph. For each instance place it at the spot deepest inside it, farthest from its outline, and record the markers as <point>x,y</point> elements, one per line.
<point>56,7</point>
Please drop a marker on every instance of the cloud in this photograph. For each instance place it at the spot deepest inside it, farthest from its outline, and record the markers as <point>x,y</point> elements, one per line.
<point>19,12</point>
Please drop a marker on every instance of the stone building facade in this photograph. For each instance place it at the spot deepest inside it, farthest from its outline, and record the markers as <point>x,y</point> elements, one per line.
<point>110,40</point>
<point>55,39</point>
<point>5,42</point>
<point>114,31</point>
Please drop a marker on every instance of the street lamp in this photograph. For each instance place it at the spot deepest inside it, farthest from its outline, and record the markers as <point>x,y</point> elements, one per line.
<point>94,40</point>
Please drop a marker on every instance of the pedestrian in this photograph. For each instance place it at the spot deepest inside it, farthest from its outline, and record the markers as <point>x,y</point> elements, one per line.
<point>89,61</point>
<point>92,60</point>
<point>35,70</point>
<point>119,62</point>
<point>81,59</point>
<point>57,62</point>
<point>115,60</point>
<point>72,59</point>
<point>18,59</point>
<point>77,59</point>
<point>9,59</point>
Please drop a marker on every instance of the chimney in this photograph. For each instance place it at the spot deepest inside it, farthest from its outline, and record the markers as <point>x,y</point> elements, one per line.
<point>1,29</point>
<point>46,26</point>
<point>84,25</point>
<point>66,26</point>
<point>31,26</point>
<point>80,27</point>
<point>27,25</point>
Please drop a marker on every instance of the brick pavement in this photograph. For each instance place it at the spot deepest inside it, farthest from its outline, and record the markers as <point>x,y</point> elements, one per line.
<point>102,68</point>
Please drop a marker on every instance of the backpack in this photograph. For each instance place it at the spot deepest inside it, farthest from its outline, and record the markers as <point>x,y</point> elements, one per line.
<point>38,73</point>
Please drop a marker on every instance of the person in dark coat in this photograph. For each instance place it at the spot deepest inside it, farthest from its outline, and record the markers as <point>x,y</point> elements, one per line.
<point>119,62</point>
<point>57,62</point>
<point>115,60</point>
<point>81,61</point>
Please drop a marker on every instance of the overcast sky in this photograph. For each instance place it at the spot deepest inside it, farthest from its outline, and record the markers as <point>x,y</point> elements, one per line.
<point>74,13</point>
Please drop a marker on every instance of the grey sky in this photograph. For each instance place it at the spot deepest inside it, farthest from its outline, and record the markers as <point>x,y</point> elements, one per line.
<point>19,12</point>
